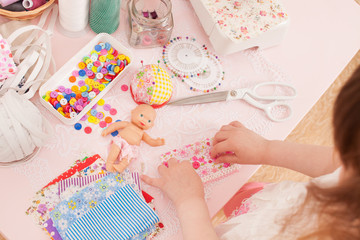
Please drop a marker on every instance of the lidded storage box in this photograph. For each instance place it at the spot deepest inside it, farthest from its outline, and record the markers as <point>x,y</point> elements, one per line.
<point>235,25</point>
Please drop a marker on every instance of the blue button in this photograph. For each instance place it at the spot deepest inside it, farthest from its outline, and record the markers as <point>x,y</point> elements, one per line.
<point>82,73</point>
<point>102,45</point>
<point>77,126</point>
<point>93,112</point>
<point>115,133</point>
<point>107,46</point>
<point>98,48</point>
<point>57,105</point>
<point>85,94</point>
<point>68,97</point>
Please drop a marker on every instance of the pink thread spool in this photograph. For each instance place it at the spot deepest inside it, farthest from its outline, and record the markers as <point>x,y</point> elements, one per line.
<point>5,3</point>
<point>33,4</point>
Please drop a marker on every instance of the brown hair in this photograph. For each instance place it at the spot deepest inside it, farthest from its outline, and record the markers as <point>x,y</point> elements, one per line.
<point>338,206</point>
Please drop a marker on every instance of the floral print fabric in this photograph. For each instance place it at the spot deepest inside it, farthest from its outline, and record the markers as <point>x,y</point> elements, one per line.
<point>7,65</point>
<point>199,156</point>
<point>245,19</point>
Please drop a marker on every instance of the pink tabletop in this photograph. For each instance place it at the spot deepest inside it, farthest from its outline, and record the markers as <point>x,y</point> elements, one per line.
<point>322,38</point>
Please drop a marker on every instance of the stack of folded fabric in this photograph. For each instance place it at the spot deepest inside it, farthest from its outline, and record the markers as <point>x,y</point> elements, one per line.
<point>87,202</point>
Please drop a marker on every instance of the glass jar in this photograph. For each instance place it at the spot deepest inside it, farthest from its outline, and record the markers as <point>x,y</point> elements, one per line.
<point>149,28</point>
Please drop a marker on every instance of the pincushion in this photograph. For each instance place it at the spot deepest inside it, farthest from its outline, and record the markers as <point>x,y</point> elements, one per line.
<point>151,85</point>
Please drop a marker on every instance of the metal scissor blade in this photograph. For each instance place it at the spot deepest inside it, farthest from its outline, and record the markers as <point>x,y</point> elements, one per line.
<point>205,98</point>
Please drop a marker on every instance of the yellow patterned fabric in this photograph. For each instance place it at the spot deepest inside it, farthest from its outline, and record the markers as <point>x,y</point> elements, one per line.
<point>163,86</point>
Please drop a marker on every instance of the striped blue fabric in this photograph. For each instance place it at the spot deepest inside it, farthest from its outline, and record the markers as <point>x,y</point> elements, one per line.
<point>121,216</point>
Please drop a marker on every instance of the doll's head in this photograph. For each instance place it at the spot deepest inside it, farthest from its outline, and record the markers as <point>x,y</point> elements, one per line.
<point>143,116</point>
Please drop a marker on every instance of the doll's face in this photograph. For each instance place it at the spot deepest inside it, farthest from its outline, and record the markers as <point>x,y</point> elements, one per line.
<point>143,116</point>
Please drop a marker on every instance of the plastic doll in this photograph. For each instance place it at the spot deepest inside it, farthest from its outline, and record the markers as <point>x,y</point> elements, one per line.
<point>124,147</point>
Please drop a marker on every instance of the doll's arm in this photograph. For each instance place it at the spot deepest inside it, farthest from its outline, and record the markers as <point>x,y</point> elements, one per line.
<point>153,142</point>
<point>113,127</point>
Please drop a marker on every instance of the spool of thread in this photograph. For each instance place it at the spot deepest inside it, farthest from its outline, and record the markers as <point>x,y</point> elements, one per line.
<point>32,4</point>
<point>104,15</point>
<point>73,15</point>
<point>5,3</point>
<point>14,7</point>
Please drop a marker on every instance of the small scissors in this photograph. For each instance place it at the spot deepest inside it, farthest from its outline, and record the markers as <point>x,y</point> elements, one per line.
<point>251,96</point>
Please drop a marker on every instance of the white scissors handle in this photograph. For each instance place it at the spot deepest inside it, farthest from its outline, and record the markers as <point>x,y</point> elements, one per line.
<point>286,86</point>
<point>270,109</point>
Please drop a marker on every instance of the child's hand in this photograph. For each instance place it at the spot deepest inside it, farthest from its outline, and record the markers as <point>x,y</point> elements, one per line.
<point>179,182</point>
<point>234,143</point>
<point>104,133</point>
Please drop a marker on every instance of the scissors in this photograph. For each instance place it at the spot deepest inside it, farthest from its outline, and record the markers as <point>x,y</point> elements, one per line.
<point>251,96</point>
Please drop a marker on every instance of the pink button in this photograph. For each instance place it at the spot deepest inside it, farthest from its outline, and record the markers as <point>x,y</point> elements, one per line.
<point>103,52</point>
<point>124,88</point>
<point>102,124</point>
<point>107,107</point>
<point>113,111</point>
<point>75,73</point>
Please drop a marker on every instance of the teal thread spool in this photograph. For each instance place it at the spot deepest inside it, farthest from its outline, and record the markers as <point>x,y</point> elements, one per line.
<point>104,15</point>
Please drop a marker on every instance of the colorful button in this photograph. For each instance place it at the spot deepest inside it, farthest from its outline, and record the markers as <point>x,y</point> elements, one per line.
<point>53,94</point>
<point>115,133</point>
<point>73,114</point>
<point>106,107</point>
<point>108,119</point>
<point>74,88</point>
<point>87,130</point>
<point>63,101</point>
<point>82,73</point>
<point>61,88</point>
<point>101,102</point>
<point>124,87</point>
<point>113,111</point>
<point>101,87</point>
<point>99,115</point>
<point>81,65</point>
<point>102,124</point>
<point>77,126</point>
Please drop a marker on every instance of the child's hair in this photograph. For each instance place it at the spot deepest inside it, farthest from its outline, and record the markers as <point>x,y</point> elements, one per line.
<point>339,206</point>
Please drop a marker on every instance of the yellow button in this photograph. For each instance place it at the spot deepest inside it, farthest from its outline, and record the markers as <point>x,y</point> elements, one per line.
<point>74,88</point>
<point>59,97</point>
<point>101,102</point>
<point>122,57</point>
<point>110,56</point>
<point>88,61</point>
<point>102,58</point>
<point>94,69</point>
<point>81,65</point>
<point>72,101</point>
<point>83,89</point>
<point>127,59</point>
<point>101,87</point>
<point>96,85</point>
<point>116,69</point>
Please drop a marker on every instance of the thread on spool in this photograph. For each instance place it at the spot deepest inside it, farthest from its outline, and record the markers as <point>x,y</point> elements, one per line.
<point>14,7</point>
<point>73,15</point>
<point>32,4</point>
<point>5,3</point>
<point>104,15</point>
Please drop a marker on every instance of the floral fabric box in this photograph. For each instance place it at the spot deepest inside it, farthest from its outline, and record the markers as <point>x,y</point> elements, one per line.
<point>235,25</point>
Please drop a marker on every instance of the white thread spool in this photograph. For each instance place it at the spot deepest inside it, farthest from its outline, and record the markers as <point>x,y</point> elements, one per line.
<point>73,17</point>
<point>22,129</point>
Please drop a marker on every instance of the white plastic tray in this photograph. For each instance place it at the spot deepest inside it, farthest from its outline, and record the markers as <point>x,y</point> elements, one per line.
<point>61,77</point>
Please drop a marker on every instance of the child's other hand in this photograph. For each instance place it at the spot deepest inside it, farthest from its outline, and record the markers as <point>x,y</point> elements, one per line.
<point>178,181</point>
<point>234,143</point>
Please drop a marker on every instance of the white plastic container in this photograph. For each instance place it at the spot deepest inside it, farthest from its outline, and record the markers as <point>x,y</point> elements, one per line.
<point>61,77</point>
<point>223,44</point>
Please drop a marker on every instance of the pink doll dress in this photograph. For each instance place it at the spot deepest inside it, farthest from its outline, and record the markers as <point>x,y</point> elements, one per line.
<point>126,150</point>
